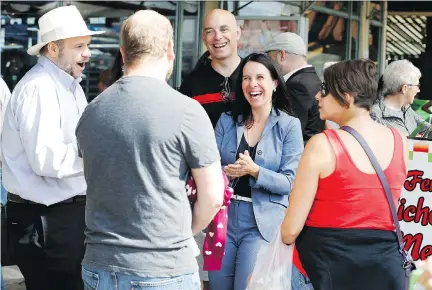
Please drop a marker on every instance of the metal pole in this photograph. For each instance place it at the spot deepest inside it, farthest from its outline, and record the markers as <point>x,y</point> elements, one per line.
<point>200,17</point>
<point>364,30</point>
<point>349,31</point>
<point>179,32</point>
<point>330,11</point>
<point>382,58</point>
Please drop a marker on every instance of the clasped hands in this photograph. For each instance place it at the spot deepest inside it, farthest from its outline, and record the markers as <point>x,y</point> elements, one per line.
<point>243,166</point>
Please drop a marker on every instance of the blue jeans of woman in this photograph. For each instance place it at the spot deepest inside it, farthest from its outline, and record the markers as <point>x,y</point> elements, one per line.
<point>243,243</point>
<point>95,279</point>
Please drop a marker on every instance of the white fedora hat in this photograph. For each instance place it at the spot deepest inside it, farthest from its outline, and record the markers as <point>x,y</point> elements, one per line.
<point>60,23</point>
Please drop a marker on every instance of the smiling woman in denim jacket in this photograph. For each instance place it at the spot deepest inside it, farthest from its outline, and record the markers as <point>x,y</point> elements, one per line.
<point>260,144</point>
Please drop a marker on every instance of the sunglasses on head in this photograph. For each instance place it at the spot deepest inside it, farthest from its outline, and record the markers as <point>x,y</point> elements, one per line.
<point>323,89</point>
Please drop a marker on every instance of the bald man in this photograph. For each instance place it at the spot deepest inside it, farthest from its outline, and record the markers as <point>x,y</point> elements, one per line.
<point>138,225</point>
<point>212,84</point>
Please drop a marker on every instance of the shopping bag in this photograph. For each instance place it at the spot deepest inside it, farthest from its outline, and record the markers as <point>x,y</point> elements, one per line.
<point>273,267</point>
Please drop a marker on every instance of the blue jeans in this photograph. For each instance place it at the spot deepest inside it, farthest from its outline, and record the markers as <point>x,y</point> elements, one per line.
<point>102,280</point>
<point>243,243</point>
<point>300,282</point>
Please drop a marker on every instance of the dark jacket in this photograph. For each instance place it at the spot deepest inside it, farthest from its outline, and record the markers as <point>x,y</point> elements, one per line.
<point>303,86</point>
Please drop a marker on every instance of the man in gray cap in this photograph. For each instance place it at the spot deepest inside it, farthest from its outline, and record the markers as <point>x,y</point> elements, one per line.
<point>289,51</point>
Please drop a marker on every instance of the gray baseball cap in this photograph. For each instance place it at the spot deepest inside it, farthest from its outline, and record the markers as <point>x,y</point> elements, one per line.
<point>289,42</point>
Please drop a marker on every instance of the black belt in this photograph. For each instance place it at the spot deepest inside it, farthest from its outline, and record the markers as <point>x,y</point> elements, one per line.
<point>17,199</point>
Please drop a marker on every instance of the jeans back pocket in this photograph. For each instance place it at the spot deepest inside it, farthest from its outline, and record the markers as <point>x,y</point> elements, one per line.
<point>165,284</point>
<point>90,279</point>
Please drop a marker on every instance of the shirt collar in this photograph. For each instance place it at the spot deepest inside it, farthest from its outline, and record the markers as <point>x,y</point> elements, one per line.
<point>288,75</point>
<point>68,81</point>
<point>389,113</point>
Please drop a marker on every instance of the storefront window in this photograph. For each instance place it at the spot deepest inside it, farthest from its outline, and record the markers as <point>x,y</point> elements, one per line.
<point>20,31</point>
<point>374,40</point>
<point>191,37</point>
<point>255,34</point>
<point>340,6</point>
<point>327,39</point>
<point>375,30</point>
<point>267,8</point>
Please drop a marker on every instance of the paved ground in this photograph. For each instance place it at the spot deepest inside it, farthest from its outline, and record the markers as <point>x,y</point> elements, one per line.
<point>13,278</point>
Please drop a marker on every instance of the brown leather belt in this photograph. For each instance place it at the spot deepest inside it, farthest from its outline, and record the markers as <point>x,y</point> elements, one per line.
<point>17,199</point>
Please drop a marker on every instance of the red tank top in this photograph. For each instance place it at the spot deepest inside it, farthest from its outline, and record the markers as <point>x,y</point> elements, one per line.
<point>349,198</point>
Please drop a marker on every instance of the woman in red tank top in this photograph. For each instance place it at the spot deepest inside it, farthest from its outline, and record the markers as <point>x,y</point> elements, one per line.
<point>338,214</point>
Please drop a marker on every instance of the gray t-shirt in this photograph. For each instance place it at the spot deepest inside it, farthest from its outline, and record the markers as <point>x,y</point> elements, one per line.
<point>138,140</point>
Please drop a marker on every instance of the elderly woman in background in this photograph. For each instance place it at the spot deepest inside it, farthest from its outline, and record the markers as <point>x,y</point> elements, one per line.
<point>400,84</point>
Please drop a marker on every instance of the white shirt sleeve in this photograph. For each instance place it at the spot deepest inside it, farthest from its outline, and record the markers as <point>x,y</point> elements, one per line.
<point>4,98</point>
<point>38,116</point>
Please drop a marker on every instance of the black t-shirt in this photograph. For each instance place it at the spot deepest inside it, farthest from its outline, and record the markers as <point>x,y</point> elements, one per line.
<point>242,187</point>
<point>212,90</point>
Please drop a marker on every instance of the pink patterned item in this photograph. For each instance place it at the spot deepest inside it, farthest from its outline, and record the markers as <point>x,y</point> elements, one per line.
<point>214,243</point>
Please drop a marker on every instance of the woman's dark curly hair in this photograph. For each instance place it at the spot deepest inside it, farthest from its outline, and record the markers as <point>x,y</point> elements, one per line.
<point>281,99</point>
<point>358,78</point>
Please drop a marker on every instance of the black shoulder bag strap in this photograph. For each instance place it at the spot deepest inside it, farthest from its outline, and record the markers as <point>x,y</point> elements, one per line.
<point>408,264</point>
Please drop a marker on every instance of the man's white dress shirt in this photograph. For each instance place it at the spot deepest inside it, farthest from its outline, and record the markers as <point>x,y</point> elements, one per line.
<point>4,99</point>
<point>288,75</point>
<point>39,148</point>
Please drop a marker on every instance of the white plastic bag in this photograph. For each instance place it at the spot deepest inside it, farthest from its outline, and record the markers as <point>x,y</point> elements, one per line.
<point>273,268</point>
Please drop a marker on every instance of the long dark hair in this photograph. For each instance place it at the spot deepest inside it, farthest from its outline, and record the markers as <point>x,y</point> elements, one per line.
<point>281,99</point>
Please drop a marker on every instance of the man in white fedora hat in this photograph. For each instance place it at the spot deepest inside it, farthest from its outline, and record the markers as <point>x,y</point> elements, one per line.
<point>41,168</point>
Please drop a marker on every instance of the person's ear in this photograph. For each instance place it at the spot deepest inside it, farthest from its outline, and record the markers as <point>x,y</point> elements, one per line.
<point>53,50</point>
<point>349,99</point>
<point>283,55</point>
<point>122,52</point>
<point>170,51</point>
<point>276,83</point>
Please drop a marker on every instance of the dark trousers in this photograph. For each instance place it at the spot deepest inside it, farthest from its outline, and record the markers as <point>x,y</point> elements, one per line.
<point>49,244</point>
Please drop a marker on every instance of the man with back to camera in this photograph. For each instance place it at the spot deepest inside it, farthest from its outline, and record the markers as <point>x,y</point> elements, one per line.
<point>137,154</point>
<point>41,168</point>
<point>289,52</point>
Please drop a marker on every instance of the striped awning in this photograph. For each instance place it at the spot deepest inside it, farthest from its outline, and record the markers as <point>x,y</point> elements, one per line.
<point>406,36</point>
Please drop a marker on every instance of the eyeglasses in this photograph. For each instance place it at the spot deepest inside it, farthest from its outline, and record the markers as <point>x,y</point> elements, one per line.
<point>323,89</point>
<point>417,85</point>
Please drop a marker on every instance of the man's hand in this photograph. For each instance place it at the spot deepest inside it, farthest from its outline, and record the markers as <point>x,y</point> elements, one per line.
<point>210,195</point>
